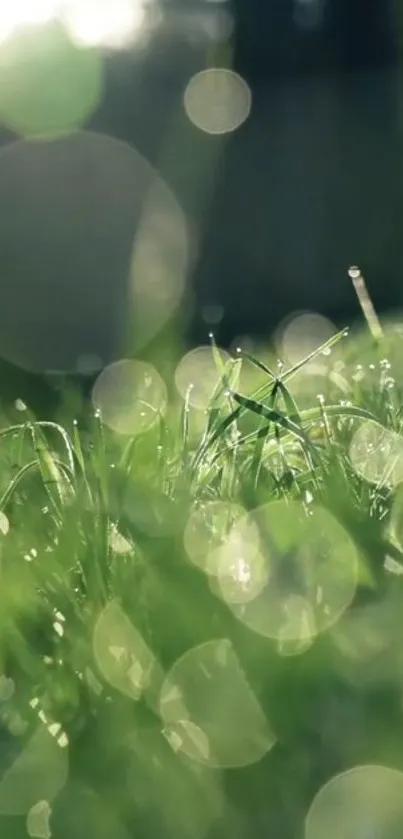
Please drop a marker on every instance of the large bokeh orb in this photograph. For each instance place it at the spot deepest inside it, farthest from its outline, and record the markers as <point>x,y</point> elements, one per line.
<point>93,252</point>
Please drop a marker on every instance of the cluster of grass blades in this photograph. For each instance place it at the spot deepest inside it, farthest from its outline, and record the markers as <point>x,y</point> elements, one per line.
<point>93,551</point>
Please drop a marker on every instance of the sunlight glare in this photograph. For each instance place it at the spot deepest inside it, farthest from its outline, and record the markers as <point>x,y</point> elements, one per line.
<point>25,12</point>
<point>110,23</point>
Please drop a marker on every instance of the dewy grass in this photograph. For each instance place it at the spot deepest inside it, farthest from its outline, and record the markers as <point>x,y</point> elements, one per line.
<point>94,548</point>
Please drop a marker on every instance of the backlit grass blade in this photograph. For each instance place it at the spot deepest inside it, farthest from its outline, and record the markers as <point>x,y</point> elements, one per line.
<point>275,417</point>
<point>328,345</point>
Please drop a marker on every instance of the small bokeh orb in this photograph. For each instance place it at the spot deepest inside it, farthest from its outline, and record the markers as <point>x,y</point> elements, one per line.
<point>197,376</point>
<point>217,100</point>
<point>130,396</point>
<point>48,85</point>
<point>366,801</point>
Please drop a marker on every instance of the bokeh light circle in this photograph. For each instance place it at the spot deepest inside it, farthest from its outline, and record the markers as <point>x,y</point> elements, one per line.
<point>197,376</point>
<point>242,571</point>
<point>48,86</point>
<point>366,801</point>
<point>93,253</point>
<point>122,655</point>
<point>306,571</point>
<point>217,100</point>
<point>207,529</point>
<point>376,454</point>
<point>130,396</point>
<point>302,334</point>
<point>211,715</point>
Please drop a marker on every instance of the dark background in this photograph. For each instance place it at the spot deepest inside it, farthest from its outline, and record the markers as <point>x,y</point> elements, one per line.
<point>311,183</point>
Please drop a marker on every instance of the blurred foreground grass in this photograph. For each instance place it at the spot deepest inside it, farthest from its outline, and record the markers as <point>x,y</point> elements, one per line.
<point>201,625</point>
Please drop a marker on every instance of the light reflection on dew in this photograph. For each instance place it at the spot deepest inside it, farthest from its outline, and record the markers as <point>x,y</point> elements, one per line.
<point>366,801</point>
<point>376,454</point>
<point>117,543</point>
<point>207,529</point>
<point>210,713</point>
<point>197,376</point>
<point>130,396</point>
<point>308,577</point>
<point>38,821</point>
<point>217,100</point>
<point>4,524</point>
<point>242,572</point>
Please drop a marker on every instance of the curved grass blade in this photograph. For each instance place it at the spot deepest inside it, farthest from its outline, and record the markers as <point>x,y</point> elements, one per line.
<point>29,467</point>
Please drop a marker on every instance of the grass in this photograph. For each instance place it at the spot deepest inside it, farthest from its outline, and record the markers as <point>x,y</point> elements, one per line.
<point>109,602</point>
